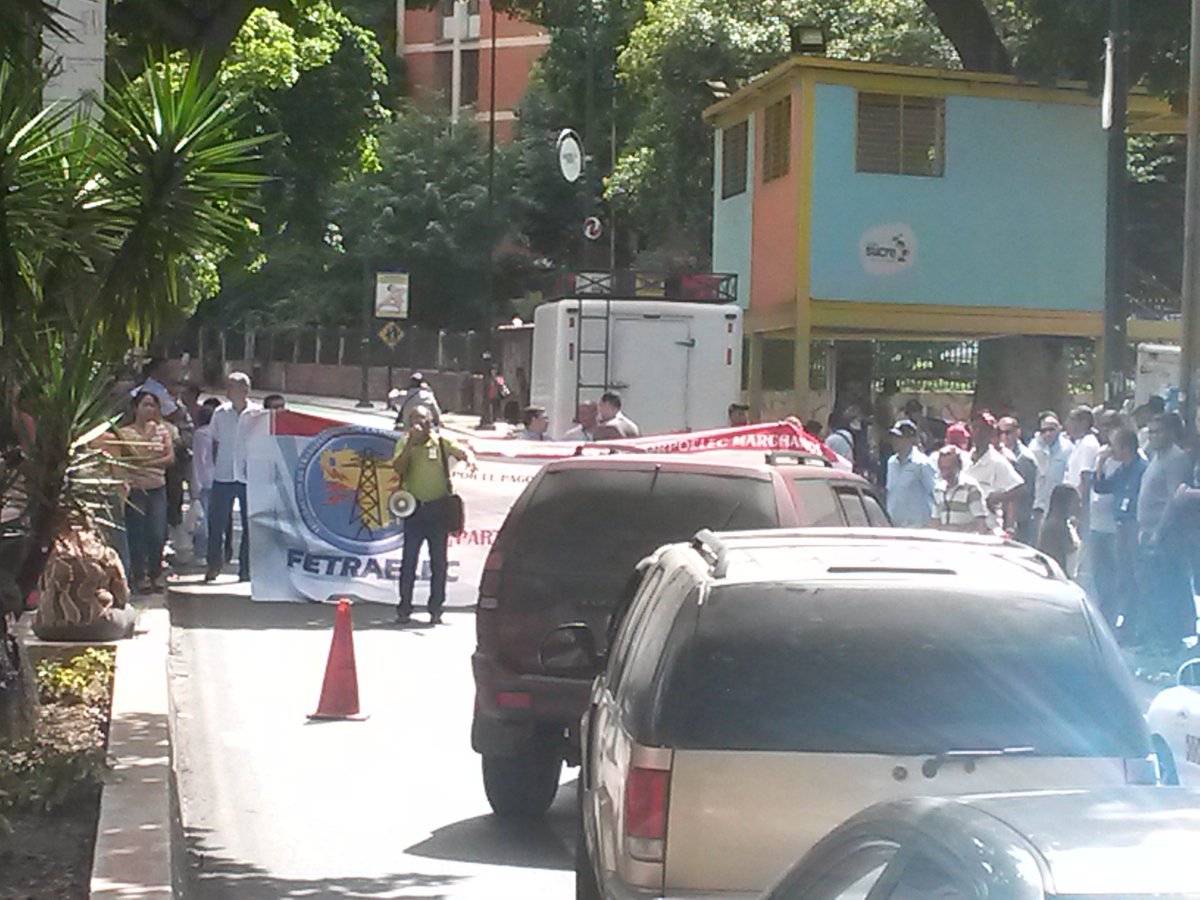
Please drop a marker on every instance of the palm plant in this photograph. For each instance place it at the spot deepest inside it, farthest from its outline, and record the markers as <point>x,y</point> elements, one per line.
<point>98,219</point>
<point>21,21</point>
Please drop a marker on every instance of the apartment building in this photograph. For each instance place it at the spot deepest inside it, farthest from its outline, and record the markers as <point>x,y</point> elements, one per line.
<point>448,52</point>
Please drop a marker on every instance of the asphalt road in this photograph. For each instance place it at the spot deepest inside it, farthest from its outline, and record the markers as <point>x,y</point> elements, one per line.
<point>275,806</point>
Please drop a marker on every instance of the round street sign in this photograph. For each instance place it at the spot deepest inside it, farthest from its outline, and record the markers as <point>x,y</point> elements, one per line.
<point>570,155</point>
<point>592,229</point>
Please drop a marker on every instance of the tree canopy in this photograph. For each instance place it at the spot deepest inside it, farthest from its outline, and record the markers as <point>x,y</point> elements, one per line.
<point>639,70</point>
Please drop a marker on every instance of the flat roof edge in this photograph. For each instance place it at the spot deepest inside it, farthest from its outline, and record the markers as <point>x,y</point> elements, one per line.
<point>1142,104</point>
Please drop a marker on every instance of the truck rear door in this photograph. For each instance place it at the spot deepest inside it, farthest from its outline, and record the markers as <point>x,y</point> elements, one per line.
<point>650,367</point>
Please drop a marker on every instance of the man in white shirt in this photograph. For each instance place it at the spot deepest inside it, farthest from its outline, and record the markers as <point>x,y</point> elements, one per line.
<point>1081,429</point>
<point>229,475</point>
<point>996,476</point>
<point>1052,449</point>
<point>584,428</point>
<point>614,423</point>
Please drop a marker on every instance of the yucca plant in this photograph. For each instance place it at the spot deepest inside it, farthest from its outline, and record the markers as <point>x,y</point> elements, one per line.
<point>21,21</point>
<point>98,218</point>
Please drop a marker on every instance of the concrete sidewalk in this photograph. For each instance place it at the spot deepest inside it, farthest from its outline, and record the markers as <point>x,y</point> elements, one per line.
<point>132,854</point>
<point>132,857</point>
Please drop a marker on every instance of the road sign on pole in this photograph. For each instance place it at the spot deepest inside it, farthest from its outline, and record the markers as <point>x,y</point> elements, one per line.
<point>592,228</point>
<point>391,334</point>
<point>391,295</point>
<point>570,155</point>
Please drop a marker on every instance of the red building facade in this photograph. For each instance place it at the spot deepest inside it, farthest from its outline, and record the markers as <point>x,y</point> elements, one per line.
<point>457,37</point>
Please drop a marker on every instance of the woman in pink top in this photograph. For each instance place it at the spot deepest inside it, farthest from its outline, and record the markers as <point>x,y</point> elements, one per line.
<point>148,450</point>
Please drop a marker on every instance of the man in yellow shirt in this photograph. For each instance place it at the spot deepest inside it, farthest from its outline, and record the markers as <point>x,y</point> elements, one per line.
<point>422,460</point>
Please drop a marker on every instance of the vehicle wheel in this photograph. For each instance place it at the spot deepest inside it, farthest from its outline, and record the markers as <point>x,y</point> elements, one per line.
<point>585,878</point>
<point>1166,760</point>
<point>522,786</point>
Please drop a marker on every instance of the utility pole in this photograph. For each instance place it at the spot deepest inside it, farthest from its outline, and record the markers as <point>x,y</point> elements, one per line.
<point>1191,237</point>
<point>589,125</point>
<point>490,299</point>
<point>1115,114</point>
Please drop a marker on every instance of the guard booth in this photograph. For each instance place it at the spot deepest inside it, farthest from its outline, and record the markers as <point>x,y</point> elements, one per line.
<point>864,202</point>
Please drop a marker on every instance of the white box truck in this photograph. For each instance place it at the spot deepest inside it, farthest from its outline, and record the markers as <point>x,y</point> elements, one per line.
<point>1157,371</point>
<point>677,365</point>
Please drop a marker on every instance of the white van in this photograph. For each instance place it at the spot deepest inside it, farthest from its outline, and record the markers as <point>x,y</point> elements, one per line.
<point>677,365</point>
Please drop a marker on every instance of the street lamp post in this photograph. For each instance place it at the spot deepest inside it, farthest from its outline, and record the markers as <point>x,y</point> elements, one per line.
<point>1116,101</point>
<point>364,390</point>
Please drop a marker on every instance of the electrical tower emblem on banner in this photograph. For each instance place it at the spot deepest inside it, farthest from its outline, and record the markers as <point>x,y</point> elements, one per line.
<point>343,482</point>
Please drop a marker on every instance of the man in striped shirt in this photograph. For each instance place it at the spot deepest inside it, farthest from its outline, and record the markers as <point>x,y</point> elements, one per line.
<point>957,498</point>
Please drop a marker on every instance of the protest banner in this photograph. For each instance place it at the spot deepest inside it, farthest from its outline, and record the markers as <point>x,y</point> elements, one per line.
<point>318,493</point>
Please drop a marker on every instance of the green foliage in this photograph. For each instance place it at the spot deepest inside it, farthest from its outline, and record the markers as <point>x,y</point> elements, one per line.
<point>64,760</point>
<point>543,207</point>
<point>265,55</point>
<point>84,679</point>
<point>426,211</point>
<point>1064,38</point>
<point>100,222</point>
<point>54,769</point>
<point>314,78</point>
<point>19,19</point>
<point>98,217</point>
<point>58,475</point>
<point>574,86</point>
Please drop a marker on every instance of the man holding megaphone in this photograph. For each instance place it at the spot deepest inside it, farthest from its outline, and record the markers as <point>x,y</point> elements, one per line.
<point>422,460</point>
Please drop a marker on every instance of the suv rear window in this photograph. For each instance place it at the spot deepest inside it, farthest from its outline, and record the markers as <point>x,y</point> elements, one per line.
<point>877,669</point>
<point>580,519</point>
<point>818,508</point>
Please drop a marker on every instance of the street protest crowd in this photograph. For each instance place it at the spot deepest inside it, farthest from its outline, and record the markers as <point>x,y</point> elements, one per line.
<point>166,446</point>
<point>1112,496</point>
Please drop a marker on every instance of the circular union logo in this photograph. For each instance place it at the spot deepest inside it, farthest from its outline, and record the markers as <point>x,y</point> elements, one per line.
<point>344,481</point>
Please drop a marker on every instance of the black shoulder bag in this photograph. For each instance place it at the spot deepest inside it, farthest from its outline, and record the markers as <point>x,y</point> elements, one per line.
<point>453,510</point>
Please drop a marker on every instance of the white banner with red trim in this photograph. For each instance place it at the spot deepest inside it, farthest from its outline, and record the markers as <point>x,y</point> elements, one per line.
<point>318,494</point>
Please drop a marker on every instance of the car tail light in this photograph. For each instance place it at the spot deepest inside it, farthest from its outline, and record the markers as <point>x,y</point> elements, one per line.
<point>489,584</point>
<point>646,793</point>
<point>1142,771</point>
<point>514,700</point>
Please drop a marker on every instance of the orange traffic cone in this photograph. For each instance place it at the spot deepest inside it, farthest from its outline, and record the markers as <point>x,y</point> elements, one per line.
<point>339,692</point>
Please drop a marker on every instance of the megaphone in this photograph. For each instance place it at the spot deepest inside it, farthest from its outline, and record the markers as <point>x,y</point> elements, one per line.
<point>402,504</point>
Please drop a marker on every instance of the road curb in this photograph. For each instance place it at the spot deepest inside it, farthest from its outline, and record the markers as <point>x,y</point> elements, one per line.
<point>132,856</point>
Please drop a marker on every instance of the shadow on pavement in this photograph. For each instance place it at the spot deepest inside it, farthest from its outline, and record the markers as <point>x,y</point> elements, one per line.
<point>224,611</point>
<point>535,843</point>
<point>211,876</point>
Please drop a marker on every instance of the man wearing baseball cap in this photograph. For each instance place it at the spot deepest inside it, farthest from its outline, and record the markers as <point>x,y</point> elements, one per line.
<point>418,393</point>
<point>910,479</point>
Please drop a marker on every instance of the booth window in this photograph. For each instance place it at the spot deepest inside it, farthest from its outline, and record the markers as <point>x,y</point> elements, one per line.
<point>901,135</point>
<point>777,139</point>
<point>733,159</point>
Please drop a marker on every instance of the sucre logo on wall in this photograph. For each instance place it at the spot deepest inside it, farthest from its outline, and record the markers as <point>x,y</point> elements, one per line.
<point>888,249</point>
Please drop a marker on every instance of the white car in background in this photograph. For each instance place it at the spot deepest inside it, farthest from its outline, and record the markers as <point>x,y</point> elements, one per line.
<point>1174,719</point>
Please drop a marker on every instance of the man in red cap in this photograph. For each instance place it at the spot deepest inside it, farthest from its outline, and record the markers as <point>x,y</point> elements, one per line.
<point>995,475</point>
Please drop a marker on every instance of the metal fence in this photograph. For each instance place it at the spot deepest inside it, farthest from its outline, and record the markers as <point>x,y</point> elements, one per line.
<point>916,367</point>
<point>387,344</point>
